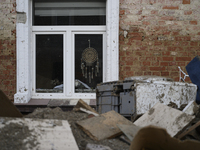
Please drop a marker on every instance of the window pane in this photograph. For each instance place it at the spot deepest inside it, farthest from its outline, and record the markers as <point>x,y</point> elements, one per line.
<point>69,12</point>
<point>49,63</point>
<point>88,62</point>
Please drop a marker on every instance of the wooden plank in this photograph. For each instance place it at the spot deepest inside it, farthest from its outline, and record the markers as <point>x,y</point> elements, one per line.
<point>153,138</point>
<point>43,134</point>
<point>7,108</point>
<point>82,104</point>
<point>86,111</point>
<point>189,130</point>
<point>173,120</point>
<point>129,130</point>
<point>103,126</point>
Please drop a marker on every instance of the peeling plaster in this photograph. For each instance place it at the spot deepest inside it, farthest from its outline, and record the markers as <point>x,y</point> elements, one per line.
<point>21,17</point>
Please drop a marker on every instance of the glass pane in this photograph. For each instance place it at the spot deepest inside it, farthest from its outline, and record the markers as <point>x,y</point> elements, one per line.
<point>49,63</point>
<point>88,62</point>
<point>69,12</point>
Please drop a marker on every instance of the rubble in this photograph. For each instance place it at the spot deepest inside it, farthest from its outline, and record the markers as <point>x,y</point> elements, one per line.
<point>82,104</point>
<point>129,130</point>
<point>173,120</point>
<point>104,126</point>
<point>53,128</point>
<point>82,139</point>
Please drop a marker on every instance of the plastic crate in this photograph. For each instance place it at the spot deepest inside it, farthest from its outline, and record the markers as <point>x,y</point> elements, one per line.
<point>108,96</point>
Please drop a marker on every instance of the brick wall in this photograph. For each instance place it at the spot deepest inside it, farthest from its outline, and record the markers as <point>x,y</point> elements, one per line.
<point>157,36</point>
<point>8,47</point>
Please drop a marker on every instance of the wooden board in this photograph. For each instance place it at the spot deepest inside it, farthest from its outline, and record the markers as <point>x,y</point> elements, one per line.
<point>173,120</point>
<point>129,130</point>
<point>47,134</point>
<point>83,104</point>
<point>7,108</point>
<point>103,126</point>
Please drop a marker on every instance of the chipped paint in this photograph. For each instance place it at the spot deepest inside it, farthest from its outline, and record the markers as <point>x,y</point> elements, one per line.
<point>148,94</point>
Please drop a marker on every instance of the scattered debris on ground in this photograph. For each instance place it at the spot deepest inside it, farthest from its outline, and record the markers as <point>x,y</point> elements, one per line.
<point>175,122</point>
<point>81,137</point>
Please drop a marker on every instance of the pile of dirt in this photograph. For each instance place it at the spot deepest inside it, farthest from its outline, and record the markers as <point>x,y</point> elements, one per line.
<point>72,117</point>
<point>13,135</point>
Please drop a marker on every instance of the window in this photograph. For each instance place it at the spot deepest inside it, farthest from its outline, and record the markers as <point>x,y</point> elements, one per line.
<point>69,12</point>
<point>65,47</point>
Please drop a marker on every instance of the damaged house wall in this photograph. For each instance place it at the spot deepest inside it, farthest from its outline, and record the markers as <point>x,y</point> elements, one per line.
<point>157,36</point>
<point>8,47</point>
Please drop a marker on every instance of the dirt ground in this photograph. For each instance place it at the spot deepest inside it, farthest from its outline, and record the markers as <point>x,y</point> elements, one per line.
<point>81,138</point>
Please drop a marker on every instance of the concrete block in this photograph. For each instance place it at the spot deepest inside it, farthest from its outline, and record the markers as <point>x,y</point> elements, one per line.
<point>173,120</point>
<point>42,134</point>
<point>178,93</point>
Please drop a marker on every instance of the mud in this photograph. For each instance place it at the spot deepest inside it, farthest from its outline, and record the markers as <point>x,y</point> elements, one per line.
<point>13,135</point>
<point>81,138</point>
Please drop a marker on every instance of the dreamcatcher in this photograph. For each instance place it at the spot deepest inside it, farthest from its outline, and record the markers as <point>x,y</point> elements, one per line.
<point>88,66</point>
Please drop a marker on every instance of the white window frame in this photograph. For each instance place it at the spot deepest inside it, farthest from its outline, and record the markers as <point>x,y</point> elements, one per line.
<point>25,49</point>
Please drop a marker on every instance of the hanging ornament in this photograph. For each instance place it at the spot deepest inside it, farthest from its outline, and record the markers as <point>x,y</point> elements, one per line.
<point>88,66</point>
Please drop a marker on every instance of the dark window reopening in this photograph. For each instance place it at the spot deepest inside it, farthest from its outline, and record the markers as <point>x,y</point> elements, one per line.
<point>49,63</point>
<point>88,62</point>
<point>69,12</point>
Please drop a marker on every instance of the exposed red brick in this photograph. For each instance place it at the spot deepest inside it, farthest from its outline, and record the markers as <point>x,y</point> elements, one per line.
<point>129,63</point>
<point>147,73</point>
<point>155,63</point>
<point>186,1</point>
<point>157,68</point>
<point>194,43</point>
<point>146,63</point>
<point>6,82</point>
<point>156,73</point>
<point>164,63</point>
<point>183,58</point>
<point>154,12</point>
<point>170,18</point>
<point>187,12</point>
<point>122,12</point>
<point>132,39</point>
<point>156,43</point>
<point>129,73</point>
<point>170,7</point>
<point>164,73</point>
<point>193,22</point>
<point>138,73</point>
<point>183,38</point>
<point>146,23</point>
<point>167,58</point>
<point>134,34</point>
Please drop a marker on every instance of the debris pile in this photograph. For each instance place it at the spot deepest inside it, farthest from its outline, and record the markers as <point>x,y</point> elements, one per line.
<point>162,126</point>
